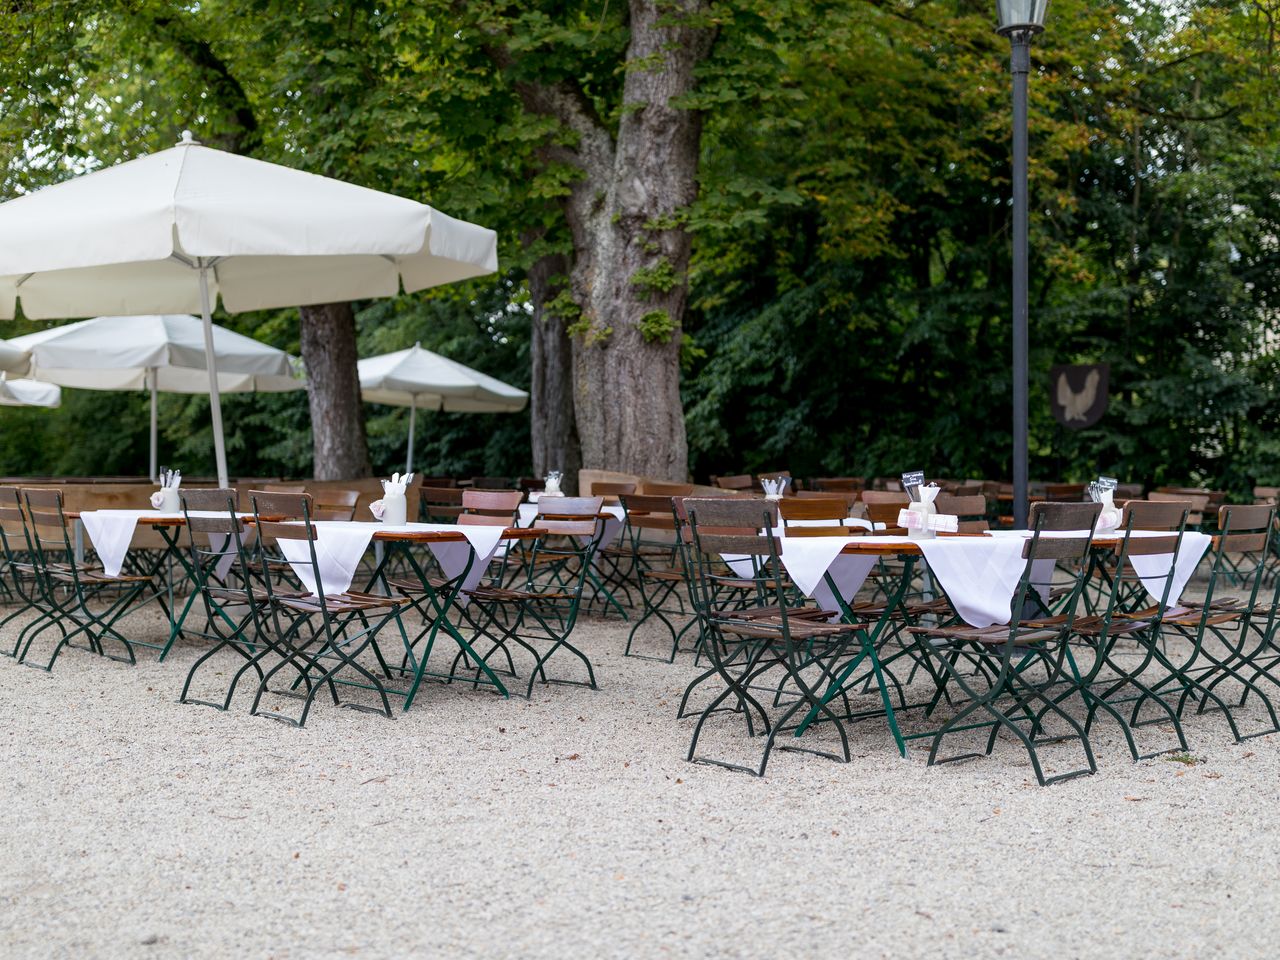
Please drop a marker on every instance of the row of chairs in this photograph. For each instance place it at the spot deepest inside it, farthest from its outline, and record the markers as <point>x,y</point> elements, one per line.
<point>1100,649</point>
<point>256,611</point>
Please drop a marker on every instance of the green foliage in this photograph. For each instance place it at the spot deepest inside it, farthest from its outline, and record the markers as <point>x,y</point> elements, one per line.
<point>662,277</point>
<point>656,326</point>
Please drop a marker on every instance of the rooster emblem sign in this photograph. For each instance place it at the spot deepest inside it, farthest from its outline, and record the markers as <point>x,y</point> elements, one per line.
<point>1078,394</point>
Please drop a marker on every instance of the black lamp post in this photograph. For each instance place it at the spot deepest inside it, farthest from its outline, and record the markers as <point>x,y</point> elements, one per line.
<point>1019,20</point>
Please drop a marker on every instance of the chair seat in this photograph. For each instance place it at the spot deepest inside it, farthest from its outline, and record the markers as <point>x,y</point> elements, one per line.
<point>771,627</point>
<point>94,575</point>
<point>669,575</point>
<point>988,636</point>
<point>502,595</point>
<point>412,585</point>
<point>340,602</point>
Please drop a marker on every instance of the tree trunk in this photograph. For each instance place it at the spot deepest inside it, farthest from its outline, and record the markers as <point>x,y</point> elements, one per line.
<point>341,449</point>
<point>553,431</point>
<point>632,255</point>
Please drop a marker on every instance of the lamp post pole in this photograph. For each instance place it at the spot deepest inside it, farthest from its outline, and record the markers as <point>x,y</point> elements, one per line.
<point>1020,20</point>
<point>1020,62</point>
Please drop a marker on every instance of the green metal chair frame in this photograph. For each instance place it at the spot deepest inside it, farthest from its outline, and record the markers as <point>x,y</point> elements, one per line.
<point>320,637</point>
<point>746,642</point>
<point>69,591</point>
<point>1003,688</point>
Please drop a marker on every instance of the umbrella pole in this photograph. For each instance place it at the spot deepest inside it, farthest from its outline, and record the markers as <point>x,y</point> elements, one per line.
<point>155,471</point>
<point>211,361</point>
<point>413,423</point>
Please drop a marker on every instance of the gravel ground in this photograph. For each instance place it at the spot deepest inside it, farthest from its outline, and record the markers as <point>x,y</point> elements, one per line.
<point>570,826</point>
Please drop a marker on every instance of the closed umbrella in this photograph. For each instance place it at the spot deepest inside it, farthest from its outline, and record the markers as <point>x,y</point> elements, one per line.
<point>422,380</point>
<point>28,393</point>
<point>174,230</point>
<point>155,353</point>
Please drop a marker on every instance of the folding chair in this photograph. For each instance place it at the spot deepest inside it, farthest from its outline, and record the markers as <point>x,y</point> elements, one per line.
<point>235,610</point>
<point>68,591</point>
<point>745,645</point>
<point>1008,673</point>
<point>318,637</point>
<point>539,616</point>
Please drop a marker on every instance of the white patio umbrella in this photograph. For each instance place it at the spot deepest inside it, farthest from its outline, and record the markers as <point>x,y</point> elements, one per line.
<point>28,393</point>
<point>12,359</point>
<point>422,380</point>
<point>157,353</point>
<point>172,231</point>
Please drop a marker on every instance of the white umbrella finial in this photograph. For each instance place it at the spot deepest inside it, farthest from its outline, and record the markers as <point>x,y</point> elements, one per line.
<point>188,139</point>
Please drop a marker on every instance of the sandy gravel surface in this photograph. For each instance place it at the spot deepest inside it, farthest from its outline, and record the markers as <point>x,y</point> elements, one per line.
<point>570,826</point>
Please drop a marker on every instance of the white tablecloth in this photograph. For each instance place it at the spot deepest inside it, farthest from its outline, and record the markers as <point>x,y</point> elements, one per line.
<point>111,532</point>
<point>341,544</point>
<point>452,556</point>
<point>808,559</point>
<point>1152,569</point>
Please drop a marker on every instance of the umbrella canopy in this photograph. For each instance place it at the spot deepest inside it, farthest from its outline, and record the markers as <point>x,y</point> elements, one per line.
<point>157,353</point>
<point>133,353</point>
<point>174,230</point>
<point>422,380</point>
<point>12,359</point>
<point>28,393</point>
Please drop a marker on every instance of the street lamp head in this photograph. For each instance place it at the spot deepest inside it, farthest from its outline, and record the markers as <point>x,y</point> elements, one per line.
<point>1016,16</point>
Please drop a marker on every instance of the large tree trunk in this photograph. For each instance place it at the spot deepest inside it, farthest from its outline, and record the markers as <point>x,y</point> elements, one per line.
<point>632,255</point>
<point>553,431</point>
<point>630,250</point>
<point>341,449</point>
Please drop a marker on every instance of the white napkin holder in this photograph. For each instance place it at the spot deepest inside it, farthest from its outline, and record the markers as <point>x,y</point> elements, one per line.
<point>1109,518</point>
<point>551,486</point>
<point>392,509</point>
<point>774,487</point>
<point>166,501</point>
<point>920,513</point>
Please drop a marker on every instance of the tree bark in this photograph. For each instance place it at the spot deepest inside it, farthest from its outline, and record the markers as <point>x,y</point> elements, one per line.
<point>631,251</point>
<point>339,444</point>
<point>553,430</point>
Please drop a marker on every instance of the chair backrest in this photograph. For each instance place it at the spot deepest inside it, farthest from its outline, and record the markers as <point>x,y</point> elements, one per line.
<point>1064,492</point>
<point>209,500</point>
<point>440,504</point>
<point>646,512</point>
<point>658,489</point>
<point>13,525</point>
<point>569,508</point>
<point>971,509</point>
<point>491,507</point>
<point>1199,502</point>
<point>898,497</point>
<point>731,526</point>
<point>283,488</point>
<point>47,526</point>
<point>1266,494</point>
<point>492,483</point>
<point>1069,553</point>
<point>741,481</point>
<point>832,484</point>
<point>335,505</point>
<point>1155,514</point>
<point>611,490</point>
<point>887,513</point>
<point>285,506</point>
<point>813,508</point>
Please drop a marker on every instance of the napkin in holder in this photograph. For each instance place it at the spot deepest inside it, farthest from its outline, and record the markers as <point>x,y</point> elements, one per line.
<point>551,485</point>
<point>392,509</point>
<point>918,517</point>
<point>166,498</point>
<point>775,488</point>
<point>1103,491</point>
